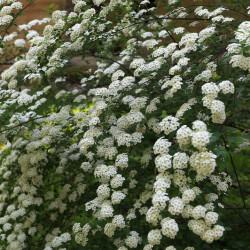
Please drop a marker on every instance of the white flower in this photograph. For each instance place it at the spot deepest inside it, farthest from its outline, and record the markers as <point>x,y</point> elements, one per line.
<point>20,43</point>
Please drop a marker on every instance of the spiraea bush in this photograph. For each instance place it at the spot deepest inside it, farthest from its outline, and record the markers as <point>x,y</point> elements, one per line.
<point>138,152</point>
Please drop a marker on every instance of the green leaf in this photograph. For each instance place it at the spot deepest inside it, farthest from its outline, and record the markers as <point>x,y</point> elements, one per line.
<point>234,41</point>
<point>52,5</point>
<point>164,114</point>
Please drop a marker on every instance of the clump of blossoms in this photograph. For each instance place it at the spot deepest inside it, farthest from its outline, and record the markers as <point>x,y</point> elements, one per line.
<point>126,156</point>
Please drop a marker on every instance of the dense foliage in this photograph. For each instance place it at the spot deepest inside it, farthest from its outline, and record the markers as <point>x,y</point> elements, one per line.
<point>147,149</point>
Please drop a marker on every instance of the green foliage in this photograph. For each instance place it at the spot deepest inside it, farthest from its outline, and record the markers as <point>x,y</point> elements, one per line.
<point>63,128</point>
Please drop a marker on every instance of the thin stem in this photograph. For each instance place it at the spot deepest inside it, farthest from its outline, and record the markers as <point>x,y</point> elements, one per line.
<point>237,225</point>
<point>236,211</point>
<point>5,64</point>
<point>169,33</point>
<point>164,18</point>
<point>240,208</point>
<point>214,5</point>
<point>235,172</point>
<point>110,59</point>
<point>20,124</point>
<point>244,180</point>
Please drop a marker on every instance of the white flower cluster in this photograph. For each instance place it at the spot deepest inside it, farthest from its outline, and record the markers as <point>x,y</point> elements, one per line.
<point>6,10</point>
<point>136,149</point>
<point>243,36</point>
<point>217,107</point>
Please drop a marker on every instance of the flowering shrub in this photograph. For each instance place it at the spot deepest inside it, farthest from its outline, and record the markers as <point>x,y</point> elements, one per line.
<point>134,153</point>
